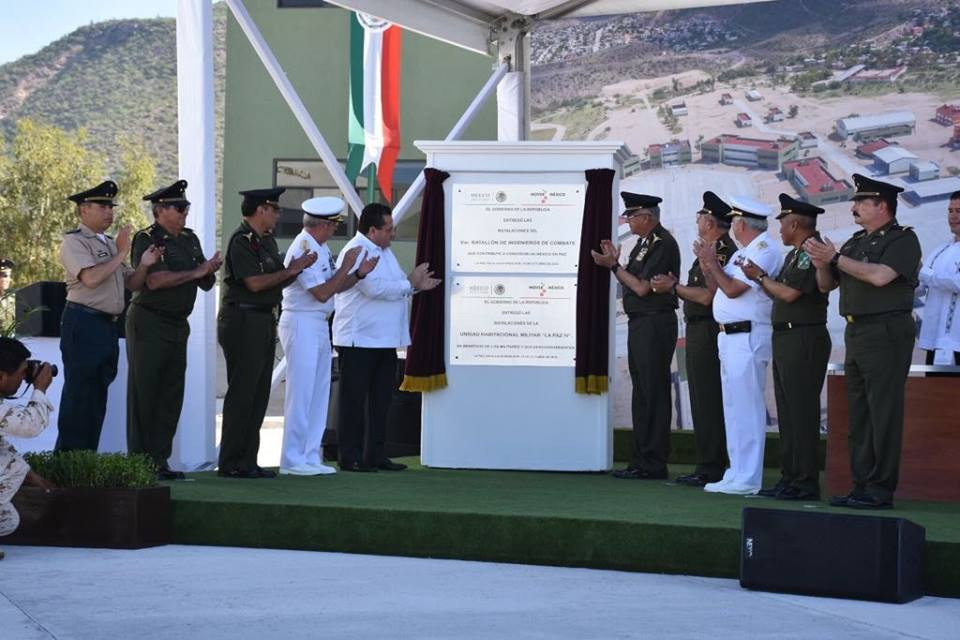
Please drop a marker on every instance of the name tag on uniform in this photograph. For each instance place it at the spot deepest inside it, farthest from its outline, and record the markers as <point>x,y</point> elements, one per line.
<point>102,254</point>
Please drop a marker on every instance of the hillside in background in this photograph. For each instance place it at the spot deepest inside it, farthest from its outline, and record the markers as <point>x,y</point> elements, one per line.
<point>574,58</point>
<point>116,79</point>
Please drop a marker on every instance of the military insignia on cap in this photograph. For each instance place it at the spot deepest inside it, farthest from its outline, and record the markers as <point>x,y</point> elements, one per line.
<point>103,193</point>
<point>870,188</point>
<point>633,201</point>
<point>263,196</point>
<point>325,208</point>
<point>171,195</point>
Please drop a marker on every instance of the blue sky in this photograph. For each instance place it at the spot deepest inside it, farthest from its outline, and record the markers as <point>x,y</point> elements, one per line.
<point>30,25</point>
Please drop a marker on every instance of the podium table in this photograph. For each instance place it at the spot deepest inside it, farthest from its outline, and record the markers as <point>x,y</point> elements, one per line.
<point>931,435</point>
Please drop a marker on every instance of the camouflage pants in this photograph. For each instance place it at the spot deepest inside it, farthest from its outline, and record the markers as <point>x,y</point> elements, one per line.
<point>13,469</point>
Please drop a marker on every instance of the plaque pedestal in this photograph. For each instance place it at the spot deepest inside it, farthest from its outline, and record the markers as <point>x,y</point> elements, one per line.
<point>512,303</point>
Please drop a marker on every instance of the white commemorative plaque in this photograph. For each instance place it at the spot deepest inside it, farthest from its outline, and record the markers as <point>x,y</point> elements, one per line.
<point>516,228</point>
<point>513,320</point>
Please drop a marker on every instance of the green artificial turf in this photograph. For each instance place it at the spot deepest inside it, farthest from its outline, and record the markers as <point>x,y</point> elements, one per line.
<point>569,519</point>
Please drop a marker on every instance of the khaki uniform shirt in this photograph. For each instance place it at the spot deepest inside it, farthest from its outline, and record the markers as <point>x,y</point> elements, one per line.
<point>23,421</point>
<point>82,248</point>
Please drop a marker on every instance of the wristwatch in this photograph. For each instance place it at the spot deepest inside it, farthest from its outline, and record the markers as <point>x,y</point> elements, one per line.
<point>835,259</point>
<point>615,268</point>
<point>760,278</point>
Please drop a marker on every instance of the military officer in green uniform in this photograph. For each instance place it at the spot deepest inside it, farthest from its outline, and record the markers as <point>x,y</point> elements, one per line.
<point>8,315</point>
<point>247,328</point>
<point>157,327</point>
<point>702,359</point>
<point>651,332</point>
<point>801,349</point>
<point>876,271</point>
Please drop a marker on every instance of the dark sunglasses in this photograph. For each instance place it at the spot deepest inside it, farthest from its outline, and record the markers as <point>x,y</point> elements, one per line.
<point>181,208</point>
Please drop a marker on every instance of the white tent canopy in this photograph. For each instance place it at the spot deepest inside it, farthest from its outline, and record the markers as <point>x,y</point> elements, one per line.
<point>474,24</point>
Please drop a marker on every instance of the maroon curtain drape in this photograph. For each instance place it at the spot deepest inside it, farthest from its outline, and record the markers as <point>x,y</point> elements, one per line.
<point>425,369</point>
<point>593,286</point>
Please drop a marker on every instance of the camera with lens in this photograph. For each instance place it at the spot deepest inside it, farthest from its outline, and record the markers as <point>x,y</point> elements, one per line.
<point>33,368</point>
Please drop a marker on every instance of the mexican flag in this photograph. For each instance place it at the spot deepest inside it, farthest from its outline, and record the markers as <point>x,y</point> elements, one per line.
<point>374,135</point>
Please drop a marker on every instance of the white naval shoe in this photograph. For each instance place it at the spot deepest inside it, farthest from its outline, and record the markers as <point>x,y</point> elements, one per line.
<point>321,469</point>
<point>300,470</point>
<point>737,489</point>
<point>716,487</point>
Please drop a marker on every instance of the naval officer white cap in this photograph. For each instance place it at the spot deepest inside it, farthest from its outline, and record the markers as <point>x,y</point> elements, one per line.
<point>749,207</point>
<point>325,207</point>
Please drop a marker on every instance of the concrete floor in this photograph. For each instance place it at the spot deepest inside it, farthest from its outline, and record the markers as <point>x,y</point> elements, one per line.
<point>213,592</point>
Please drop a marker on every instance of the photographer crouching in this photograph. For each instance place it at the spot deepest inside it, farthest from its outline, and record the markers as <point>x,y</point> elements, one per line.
<point>22,421</point>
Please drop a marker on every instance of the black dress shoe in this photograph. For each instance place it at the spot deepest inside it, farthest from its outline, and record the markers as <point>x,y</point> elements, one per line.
<point>795,493</point>
<point>638,474</point>
<point>843,501</point>
<point>694,480</point>
<point>238,473</point>
<point>867,501</point>
<point>169,474</point>
<point>356,466</point>
<point>266,473</point>
<point>390,465</point>
<point>772,492</point>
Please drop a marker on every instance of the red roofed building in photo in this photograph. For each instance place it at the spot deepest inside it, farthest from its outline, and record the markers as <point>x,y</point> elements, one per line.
<point>814,182</point>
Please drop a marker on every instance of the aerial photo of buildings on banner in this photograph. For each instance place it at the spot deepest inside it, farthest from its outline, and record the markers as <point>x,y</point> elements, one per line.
<point>759,100</point>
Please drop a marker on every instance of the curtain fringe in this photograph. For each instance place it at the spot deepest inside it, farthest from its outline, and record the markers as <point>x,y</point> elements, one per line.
<point>592,384</point>
<point>424,383</point>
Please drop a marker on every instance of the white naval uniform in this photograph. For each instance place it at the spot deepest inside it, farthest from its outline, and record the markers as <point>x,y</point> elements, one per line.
<point>305,335</point>
<point>940,330</point>
<point>743,365</point>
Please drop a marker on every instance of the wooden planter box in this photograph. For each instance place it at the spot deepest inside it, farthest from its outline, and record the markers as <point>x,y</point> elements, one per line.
<point>108,518</point>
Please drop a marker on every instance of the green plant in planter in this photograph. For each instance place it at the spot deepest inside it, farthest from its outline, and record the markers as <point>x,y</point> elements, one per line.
<point>92,470</point>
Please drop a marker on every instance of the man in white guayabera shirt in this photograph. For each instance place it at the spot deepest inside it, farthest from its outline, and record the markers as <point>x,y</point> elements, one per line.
<point>371,322</point>
<point>305,335</point>
<point>940,331</point>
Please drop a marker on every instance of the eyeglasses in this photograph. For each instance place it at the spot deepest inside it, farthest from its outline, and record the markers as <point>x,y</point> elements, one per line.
<point>181,208</point>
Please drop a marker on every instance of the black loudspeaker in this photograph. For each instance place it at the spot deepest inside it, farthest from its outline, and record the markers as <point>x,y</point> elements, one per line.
<point>39,307</point>
<point>834,555</point>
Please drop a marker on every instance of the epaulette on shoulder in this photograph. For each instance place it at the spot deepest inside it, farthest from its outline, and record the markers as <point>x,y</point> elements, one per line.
<point>70,233</point>
<point>860,234</point>
<point>188,231</point>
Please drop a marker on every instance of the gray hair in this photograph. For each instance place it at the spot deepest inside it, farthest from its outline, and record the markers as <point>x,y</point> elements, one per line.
<point>654,211</point>
<point>755,223</point>
<point>310,222</point>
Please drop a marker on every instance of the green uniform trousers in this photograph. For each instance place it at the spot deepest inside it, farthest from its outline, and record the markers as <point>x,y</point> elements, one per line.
<point>800,357</point>
<point>157,364</point>
<point>706,398</point>
<point>248,338</point>
<point>876,367</point>
<point>651,341</point>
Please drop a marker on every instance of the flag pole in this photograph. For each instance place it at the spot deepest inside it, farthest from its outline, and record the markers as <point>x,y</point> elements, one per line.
<point>468,116</point>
